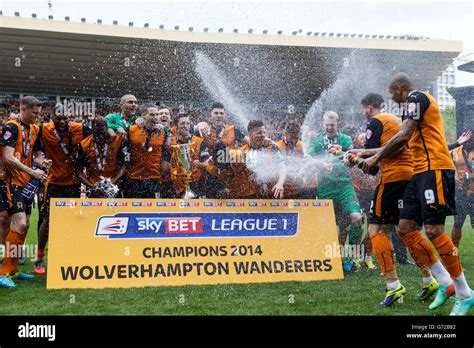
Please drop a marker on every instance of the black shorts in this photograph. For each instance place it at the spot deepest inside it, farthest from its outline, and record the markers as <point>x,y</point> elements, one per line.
<point>464,207</point>
<point>386,203</point>
<point>430,197</point>
<point>147,188</point>
<point>59,191</point>
<point>17,203</point>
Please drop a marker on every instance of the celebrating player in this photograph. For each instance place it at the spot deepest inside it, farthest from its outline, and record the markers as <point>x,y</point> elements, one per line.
<point>21,142</point>
<point>164,116</point>
<point>119,122</point>
<point>198,158</point>
<point>429,196</point>
<point>60,139</point>
<point>336,183</point>
<point>101,160</point>
<point>388,199</point>
<point>221,130</point>
<point>291,145</point>
<point>146,144</point>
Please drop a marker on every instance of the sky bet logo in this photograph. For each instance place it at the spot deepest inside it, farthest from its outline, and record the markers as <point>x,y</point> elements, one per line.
<point>213,204</point>
<point>169,225</point>
<point>71,203</point>
<point>235,204</point>
<point>91,204</point>
<point>141,204</point>
<point>189,225</point>
<point>166,204</point>
<point>116,204</point>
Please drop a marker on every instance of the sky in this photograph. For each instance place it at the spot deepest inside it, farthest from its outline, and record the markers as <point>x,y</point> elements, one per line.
<point>452,20</point>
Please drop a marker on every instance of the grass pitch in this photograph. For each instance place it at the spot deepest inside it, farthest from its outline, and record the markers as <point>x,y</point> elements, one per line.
<point>357,294</point>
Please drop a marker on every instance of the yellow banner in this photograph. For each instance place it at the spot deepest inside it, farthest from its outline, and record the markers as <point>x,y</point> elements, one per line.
<point>103,243</point>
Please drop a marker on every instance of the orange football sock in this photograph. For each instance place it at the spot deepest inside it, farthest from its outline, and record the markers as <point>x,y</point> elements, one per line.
<point>449,254</point>
<point>13,245</point>
<point>420,249</point>
<point>383,249</point>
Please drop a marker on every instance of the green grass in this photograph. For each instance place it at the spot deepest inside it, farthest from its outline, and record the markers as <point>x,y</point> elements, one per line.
<point>357,294</point>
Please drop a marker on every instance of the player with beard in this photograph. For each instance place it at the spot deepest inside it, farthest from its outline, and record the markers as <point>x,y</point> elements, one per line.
<point>120,122</point>
<point>222,130</point>
<point>429,196</point>
<point>146,144</point>
<point>199,156</point>
<point>60,139</point>
<point>101,156</point>
<point>21,146</point>
<point>220,138</point>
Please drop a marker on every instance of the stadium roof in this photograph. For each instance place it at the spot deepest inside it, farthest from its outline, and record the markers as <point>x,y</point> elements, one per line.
<point>97,60</point>
<point>468,67</point>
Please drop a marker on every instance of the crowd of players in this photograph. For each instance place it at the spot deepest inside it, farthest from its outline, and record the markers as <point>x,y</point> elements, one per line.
<point>137,153</point>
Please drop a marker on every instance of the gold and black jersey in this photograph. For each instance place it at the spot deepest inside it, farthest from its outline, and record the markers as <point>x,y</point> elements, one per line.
<point>428,143</point>
<point>380,129</point>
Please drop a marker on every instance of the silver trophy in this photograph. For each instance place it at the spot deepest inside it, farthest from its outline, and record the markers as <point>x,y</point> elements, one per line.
<point>105,188</point>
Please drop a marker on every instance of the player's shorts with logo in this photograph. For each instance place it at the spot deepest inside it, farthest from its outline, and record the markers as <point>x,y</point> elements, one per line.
<point>15,202</point>
<point>387,202</point>
<point>430,197</point>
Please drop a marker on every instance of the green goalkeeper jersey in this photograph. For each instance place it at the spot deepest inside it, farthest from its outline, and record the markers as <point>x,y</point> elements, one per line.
<point>339,175</point>
<point>116,121</point>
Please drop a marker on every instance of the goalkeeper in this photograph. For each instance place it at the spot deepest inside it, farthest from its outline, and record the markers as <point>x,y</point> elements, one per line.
<point>335,182</point>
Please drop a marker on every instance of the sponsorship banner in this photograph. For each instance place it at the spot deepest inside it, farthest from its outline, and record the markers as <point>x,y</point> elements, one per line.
<point>103,243</point>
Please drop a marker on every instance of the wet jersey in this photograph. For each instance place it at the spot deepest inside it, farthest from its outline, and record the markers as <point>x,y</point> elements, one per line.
<point>380,129</point>
<point>428,143</point>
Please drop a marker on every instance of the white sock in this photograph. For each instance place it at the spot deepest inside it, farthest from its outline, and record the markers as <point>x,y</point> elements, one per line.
<point>427,280</point>
<point>393,285</point>
<point>462,288</point>
<point>441,274</point>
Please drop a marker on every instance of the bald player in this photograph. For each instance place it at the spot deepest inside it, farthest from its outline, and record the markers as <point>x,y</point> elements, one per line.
<point>119,122</point>
<point>429,196</point>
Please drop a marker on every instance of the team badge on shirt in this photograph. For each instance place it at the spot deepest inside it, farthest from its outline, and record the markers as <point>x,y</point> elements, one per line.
<point>368,134</point>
